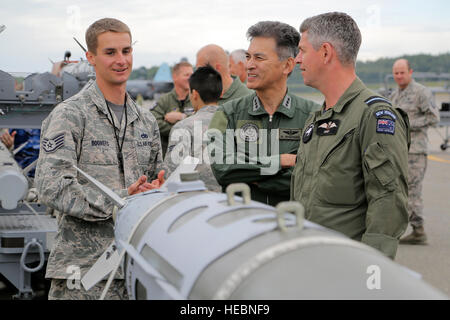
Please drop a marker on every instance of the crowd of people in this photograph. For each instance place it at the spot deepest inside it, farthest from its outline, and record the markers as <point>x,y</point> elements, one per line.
<point>350,161</point>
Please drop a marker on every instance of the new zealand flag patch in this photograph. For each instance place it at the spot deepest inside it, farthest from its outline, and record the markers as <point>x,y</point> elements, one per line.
<point>53,144</point>
<point>385,126</point>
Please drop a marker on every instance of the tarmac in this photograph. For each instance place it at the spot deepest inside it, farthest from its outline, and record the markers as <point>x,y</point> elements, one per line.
<point>432,261</point>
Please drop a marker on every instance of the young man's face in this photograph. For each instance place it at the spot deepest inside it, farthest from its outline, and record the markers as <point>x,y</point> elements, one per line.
<point>113,61</point>
<point>264,68</point>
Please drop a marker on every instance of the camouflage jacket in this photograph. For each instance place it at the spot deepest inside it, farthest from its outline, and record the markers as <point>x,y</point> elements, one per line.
<point>187,138</point>
<point>417,101</point>
<point>79,132</point>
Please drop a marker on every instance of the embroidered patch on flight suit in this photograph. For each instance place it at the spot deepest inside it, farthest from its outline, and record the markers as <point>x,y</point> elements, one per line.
<point>308,133</point>
<point>53,144</point>
<point>328,128</point>
<point>249,132</point>
<point>384,112</point>
<point>385,126</point>
<point>289,134</point>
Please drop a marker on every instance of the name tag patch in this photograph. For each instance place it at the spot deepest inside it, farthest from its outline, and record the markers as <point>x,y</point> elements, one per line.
<point>389,113</point>
<point>289,134</point>
<point>328,128</point>
<point>52,144</point>
<point>385,126</point>
<point>99,143</point>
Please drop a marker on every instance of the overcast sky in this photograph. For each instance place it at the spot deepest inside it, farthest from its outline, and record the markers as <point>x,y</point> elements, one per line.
<point>168,30</point>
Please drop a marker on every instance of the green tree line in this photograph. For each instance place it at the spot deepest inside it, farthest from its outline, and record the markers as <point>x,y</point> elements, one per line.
<point>370,72</point>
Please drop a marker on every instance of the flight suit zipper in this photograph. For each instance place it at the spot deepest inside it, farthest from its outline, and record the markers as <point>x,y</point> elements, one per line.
<point>269,135</point>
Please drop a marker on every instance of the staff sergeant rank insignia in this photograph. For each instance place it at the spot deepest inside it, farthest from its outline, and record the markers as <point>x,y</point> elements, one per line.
<point>53,144</point>
<point>249,132</point>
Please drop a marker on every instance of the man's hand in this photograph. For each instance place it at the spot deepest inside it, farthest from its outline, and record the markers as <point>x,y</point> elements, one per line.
<point>141,185</point>
<point>8,139</point>
<point>174,116</point>
<point>287,160</point>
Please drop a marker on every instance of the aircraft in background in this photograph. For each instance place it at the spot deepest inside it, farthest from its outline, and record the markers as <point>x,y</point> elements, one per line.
<point>152,89</point>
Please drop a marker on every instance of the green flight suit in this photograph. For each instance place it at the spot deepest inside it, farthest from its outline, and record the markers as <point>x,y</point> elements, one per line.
<point>236,90</point>
<point>167,103</point>
<point>245,120</point>
<point>351,171</point>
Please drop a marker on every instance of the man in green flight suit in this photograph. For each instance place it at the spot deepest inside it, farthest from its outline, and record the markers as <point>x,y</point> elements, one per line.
<point>174,105</point>
<point>256,137</point>
<point>351,170</point>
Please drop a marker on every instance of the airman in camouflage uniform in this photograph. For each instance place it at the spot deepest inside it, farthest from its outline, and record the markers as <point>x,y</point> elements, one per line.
<point>83,131</point>
<point>186,136</point>
<point>351,172</point>
<point>418,102</point>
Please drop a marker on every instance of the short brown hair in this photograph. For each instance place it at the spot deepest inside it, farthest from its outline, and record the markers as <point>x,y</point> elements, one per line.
<point>101,26</point>
<point>180,65</point>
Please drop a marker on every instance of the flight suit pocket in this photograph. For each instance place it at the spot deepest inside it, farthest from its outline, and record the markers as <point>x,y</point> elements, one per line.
<point>378,163</point>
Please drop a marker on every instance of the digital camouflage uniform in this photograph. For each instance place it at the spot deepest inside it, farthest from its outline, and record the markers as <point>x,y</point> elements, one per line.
<point>167,103</point>
<point>79,132</point>
<point>351,171</point>
<point>260,169</point>
<point>186,139</point>
<point>418,102</point>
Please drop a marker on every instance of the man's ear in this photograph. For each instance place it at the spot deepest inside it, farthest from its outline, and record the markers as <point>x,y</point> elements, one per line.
<point>327,52</point>
<point>91,58</point>
<point>289,65</point>
<point>195,95</point>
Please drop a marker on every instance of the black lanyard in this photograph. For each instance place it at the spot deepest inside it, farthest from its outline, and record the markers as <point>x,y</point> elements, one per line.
<point>119,145</point>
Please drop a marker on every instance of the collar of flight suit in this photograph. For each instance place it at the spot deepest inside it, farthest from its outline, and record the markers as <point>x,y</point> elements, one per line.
<point>98,99</point>
<point>173,93</point>
<point>352,92</point>
<point>232,89</point>
<point>256,108</point>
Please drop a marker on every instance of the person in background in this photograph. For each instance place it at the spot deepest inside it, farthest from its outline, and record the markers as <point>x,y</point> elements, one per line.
<point>418,102</point>
<point>174,105</point>
<point>238,64</point>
